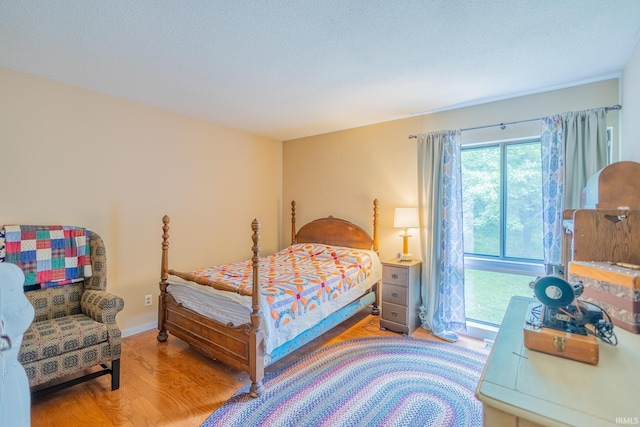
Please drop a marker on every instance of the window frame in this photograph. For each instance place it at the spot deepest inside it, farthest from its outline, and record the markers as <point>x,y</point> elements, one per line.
<point>501,263</point>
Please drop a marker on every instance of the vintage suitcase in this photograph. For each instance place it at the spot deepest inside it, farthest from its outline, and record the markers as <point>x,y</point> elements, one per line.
<point>583,348</point>
<point>613,288</point>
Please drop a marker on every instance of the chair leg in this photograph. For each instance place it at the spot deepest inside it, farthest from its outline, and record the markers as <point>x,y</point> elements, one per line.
<point>115,374</point>
<point>115,379</point>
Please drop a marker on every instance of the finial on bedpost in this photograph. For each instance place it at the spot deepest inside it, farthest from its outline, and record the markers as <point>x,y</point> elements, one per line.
<point>293,222</point>
<point>375,225</point>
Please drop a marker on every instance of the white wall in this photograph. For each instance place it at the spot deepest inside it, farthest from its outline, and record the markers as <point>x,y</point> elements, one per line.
<point>75,157</point>
<point>630,113</point>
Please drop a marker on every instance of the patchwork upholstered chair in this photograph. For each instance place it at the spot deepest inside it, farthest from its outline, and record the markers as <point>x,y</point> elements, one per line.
<point>74,330</point>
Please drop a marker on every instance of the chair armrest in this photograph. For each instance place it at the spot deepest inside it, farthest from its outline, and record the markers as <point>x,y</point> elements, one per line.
<point>101,306</point>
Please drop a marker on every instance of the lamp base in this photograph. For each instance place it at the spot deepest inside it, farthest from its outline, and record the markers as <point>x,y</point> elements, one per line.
<point>404,257</point>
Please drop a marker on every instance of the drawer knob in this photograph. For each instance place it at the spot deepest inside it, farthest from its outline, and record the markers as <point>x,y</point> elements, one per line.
<point>394,294</point>
<point>394,314</point>
<point>394,275</point>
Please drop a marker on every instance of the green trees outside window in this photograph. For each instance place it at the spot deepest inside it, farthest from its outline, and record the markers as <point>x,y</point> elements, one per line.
<point>502,214</point>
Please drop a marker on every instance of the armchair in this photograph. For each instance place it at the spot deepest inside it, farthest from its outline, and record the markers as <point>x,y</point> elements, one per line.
<point>74,329</point>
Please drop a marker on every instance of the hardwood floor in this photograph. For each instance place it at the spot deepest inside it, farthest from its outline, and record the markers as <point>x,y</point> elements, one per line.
<point>170,384</point>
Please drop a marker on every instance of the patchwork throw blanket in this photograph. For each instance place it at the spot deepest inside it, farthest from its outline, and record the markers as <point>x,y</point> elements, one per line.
<point>50,255</point>
<point>304,282</point>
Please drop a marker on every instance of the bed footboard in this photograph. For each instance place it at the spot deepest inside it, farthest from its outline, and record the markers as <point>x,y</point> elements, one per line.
<point>240,347</point>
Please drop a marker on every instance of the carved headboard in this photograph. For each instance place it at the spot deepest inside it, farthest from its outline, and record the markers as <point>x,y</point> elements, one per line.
<point>336,232</point>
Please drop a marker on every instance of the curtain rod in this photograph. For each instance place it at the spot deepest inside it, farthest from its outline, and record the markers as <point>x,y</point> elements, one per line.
<point>616,107</point>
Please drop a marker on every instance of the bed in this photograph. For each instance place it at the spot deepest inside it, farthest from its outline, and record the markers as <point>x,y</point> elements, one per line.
<point>330,271</point>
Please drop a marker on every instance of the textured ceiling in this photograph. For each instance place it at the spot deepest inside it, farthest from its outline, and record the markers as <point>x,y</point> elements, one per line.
<point>287,69</point>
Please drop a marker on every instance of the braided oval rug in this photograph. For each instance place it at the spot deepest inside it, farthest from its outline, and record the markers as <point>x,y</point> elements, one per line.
<point>377,381</point>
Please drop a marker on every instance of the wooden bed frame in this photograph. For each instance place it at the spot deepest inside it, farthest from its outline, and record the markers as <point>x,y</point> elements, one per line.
<point>241,346</point>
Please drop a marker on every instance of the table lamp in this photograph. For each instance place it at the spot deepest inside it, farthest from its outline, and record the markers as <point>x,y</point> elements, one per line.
<point>406,218</point>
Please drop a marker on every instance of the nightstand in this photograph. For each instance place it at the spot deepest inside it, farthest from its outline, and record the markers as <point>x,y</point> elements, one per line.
<point>400,295</point>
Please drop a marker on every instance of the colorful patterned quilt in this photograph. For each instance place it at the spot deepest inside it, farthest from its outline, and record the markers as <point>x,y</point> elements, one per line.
<point>304,282</point>
<point>48,255</point>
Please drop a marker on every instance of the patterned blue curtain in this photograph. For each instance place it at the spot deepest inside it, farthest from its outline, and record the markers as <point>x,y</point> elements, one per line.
<point>552,150</point>
<point>441,233</point>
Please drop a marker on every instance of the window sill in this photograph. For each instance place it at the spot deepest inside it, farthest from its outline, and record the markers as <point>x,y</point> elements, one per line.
<point>481,331</point>
<point>525,268</point>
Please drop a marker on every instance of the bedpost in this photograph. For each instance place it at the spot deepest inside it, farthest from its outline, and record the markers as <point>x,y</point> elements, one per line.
<point>255,294</point>
<point>164,266</point>
<point>165,252</point>
<point>256,363</point>
<point>375,226</point>
<point>375,310</point>
<point>293,222</point>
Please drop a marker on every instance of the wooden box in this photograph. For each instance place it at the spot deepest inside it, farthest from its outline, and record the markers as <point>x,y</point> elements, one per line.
<point>614,289</point>
<point>606,235</point>
<point>599,233</point>
<point>583,348</point>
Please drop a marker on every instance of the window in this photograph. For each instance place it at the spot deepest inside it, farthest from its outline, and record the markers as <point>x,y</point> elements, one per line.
<point>502,215</point>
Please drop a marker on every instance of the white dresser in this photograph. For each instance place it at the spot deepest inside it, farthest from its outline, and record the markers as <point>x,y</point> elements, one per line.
<point>526,388</point>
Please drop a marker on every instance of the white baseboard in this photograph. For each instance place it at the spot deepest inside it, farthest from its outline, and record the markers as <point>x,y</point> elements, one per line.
<point>138,329</point>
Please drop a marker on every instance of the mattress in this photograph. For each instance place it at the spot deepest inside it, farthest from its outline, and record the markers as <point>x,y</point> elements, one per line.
<point>299,287</point>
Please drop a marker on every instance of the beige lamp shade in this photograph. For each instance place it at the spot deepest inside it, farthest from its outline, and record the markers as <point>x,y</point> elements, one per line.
<point>406,218</point>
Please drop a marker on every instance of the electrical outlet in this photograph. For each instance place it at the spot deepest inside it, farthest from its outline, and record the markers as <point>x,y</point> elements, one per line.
<point>147,300</point>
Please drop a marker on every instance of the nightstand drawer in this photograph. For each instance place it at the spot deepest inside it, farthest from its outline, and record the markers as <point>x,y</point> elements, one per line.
<point>395,275</point>
<point>394,313</point>
<point>394,294</point>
